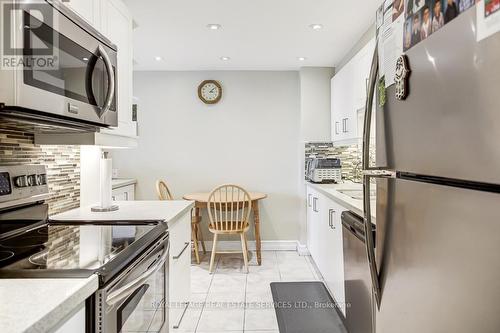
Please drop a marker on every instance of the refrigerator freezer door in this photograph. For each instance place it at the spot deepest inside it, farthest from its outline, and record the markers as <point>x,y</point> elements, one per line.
<point>449,126</point>
<point>437,250</point>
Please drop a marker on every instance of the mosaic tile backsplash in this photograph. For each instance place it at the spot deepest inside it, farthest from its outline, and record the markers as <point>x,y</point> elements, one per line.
<point>350,156</point>
<point>63,164</point>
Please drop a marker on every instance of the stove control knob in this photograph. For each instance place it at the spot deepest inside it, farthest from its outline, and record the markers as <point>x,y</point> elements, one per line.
<point>41,179</point>
<point>31,180</point>
<point>21,181</point>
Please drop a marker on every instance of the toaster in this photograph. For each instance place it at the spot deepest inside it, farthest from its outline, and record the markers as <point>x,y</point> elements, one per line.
<point>324,170</point>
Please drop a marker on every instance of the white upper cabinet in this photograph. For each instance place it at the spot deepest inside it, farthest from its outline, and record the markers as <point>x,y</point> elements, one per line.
<point>117,26</point>
<point>88,9</point>
<point>113,19</point>
<point>349,88</point>
<point>363,62</point>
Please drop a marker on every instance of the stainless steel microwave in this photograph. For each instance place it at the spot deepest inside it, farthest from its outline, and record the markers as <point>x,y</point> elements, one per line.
<point>56,67</point>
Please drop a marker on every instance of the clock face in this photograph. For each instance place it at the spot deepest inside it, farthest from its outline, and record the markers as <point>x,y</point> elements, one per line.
<point>210,91</point>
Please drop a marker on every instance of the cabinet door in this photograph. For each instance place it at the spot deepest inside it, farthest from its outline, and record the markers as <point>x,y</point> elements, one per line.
<point>336,109</point>
<point>348,96</point>
<point>342,103</point>
<point>117,26</point>
<point>87,9</point>
<point>75,324</point>
<point>312,222</point>
<point>363,60</point>
<point>333,270</point>
<point>180,269</point>
<point>126,193</point>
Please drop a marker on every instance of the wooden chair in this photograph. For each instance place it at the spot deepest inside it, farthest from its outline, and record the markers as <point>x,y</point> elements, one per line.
<point>196,235</point>
<point>229,209</point>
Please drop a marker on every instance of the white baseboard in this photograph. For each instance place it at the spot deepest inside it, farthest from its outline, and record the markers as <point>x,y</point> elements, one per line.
<point>302,249</point>
<point>279,245</point>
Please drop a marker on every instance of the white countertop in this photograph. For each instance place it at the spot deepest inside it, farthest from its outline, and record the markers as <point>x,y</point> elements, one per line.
<point>38,305</point>
<point>121,182</point>
<point>166,211</point>
<point>354,205</point>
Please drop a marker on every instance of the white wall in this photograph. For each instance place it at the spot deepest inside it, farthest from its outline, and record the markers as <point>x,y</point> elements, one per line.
<point>250,138</point>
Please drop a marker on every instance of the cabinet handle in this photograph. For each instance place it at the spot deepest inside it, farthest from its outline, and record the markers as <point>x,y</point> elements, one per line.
<point>315,206</point>
<point>176,326</point>
<point>309,200</point>
<point>330,218</point>
<point>183,249</point>
<point>337,128</point>
<point>344,125</point>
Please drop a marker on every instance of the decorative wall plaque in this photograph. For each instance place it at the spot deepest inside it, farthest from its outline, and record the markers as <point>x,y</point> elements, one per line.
<point>401,77</point>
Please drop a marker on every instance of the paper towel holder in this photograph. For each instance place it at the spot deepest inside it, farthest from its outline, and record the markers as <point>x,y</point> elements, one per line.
<point>104,206</point>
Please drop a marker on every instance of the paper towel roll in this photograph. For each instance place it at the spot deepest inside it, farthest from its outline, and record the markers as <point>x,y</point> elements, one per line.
<point>105,182</point>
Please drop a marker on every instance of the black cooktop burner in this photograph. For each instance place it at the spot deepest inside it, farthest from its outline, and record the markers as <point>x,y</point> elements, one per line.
<point>43,231</point>
<point>39,259</point>
<point>24,242</point>
<point>5,255</point>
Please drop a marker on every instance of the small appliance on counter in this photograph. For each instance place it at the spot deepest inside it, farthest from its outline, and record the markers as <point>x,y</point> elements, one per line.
<point>326,170</point>
<point>129,257</point>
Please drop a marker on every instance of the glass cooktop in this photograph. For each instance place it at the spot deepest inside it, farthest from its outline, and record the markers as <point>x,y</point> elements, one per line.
<point>68,246</point>
<point>33,246</point>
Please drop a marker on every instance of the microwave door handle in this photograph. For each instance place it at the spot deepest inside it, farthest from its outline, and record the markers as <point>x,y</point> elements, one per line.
<point>111,80</point>
<point>370,243</point>
<point>123,292</point>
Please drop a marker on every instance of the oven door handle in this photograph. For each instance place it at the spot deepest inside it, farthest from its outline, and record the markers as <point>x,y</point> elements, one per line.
<point>123,292</point>
<point>111,80</point>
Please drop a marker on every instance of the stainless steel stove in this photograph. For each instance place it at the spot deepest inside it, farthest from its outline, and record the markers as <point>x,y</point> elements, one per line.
<point>130,258</point>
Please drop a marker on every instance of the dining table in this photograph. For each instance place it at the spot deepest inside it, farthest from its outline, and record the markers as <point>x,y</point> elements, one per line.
<point>201,202</point>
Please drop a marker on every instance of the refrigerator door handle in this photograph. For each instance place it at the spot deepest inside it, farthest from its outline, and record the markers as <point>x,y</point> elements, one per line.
<point>368,173</point>
<point>380,173</point>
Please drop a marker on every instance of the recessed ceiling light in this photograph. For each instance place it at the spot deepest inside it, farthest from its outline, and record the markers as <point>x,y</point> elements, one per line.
<point>301,58</point>
<point>213,26</point>
<point>225,58</point>
<point>158,58</point>
<point>85,59</point>
<point>316,26</point>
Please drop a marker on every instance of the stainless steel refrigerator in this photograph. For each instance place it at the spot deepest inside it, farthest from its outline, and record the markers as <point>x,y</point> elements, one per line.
<point>436,265</point>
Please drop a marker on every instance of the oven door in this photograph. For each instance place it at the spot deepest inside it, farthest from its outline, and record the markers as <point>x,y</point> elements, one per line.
<point>69,70</point>
<point>136,301</point>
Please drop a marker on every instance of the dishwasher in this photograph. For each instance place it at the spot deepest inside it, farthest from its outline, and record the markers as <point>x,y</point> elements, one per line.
<point>358,289</point>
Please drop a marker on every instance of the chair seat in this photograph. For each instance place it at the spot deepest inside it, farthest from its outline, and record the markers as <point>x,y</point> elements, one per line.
<point>230,229</point>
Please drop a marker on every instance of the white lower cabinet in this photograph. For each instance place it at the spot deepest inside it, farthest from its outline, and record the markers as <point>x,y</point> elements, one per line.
<point>125,193</point>
<point>324,241</point>
<point>75,324</point>
<point>179,270</point>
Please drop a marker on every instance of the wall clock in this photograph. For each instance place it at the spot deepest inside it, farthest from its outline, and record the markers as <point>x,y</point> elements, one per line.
<point>210,91</point>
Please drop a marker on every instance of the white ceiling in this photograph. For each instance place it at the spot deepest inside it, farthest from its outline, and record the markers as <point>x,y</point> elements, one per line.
<point>255,34</point>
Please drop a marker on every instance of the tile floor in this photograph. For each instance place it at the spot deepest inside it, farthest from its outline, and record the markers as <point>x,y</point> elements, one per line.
<point>231,301</point>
